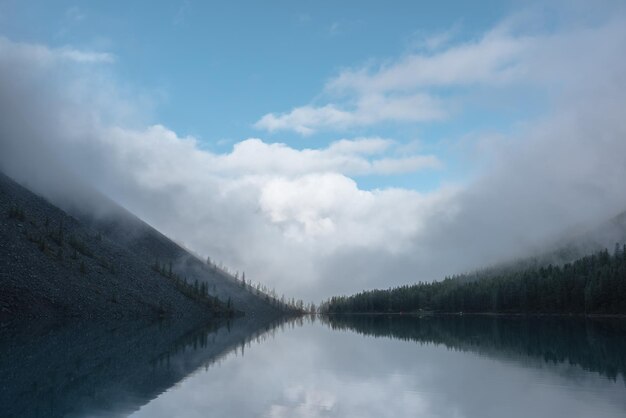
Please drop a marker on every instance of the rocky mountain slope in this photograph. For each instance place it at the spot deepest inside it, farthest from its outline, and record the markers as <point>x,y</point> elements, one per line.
<point>55,263</point>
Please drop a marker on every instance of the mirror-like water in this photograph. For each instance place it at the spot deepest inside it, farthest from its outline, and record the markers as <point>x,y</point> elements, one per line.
<point>359,366</point>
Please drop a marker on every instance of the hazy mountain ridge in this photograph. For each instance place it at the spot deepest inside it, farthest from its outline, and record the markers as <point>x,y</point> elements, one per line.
<point>58,265</point>
<point>121,226</point>
<point>566,249</point>
<point>577,275</point>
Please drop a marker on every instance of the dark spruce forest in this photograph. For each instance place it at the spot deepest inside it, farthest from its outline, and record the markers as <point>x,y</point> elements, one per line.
<point>593,284</point>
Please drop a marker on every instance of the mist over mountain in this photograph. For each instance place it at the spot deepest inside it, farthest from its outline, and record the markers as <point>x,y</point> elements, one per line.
<point>56,265</point>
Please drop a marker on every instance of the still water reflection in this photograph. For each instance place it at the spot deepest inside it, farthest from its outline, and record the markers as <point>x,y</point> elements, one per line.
<point>360,366</point>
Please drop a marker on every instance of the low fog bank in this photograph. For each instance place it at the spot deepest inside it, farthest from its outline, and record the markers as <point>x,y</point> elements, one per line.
<point>66,128</point>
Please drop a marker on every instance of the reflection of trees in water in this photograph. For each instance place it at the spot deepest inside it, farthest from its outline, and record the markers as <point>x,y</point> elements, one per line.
<point>592,344</point>
<point>111,368</point>
<point>207,336</point>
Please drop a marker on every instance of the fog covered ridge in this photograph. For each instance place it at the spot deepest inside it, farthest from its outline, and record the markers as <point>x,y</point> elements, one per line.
<point>296,218</point>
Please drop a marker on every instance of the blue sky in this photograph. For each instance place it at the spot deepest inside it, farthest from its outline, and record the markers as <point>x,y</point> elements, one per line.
<point>211,69</point>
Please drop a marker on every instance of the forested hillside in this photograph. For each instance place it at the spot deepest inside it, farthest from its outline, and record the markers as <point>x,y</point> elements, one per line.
<point>54,264</point>
<point>594,284</point>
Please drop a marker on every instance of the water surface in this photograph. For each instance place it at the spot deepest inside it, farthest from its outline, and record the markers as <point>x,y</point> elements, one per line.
<point>404,367</point>
<point>366,366</point>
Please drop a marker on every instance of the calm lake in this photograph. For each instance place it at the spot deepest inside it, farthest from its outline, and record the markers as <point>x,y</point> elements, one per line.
<point>358,366</point>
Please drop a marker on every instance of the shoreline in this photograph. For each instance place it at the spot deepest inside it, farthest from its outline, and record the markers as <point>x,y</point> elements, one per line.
<point>486,314</point>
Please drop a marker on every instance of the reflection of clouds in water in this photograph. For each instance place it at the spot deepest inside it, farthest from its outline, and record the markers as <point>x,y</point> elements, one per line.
<point>304,402</point>
<point>331,395</point>
<point>313,371</point>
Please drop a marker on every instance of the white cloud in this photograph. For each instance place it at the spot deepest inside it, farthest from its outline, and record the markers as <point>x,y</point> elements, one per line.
<point>368,110</point>
<point>397,91</point>
<point>85,56</point>
<point>501,57</point>
<point>45,55</point>
<point>361,146</point>
<point>295,219</point>
<point>495,58</point>
<point>351,157</point>
<point>274,198</point>
<point>408,89</point>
